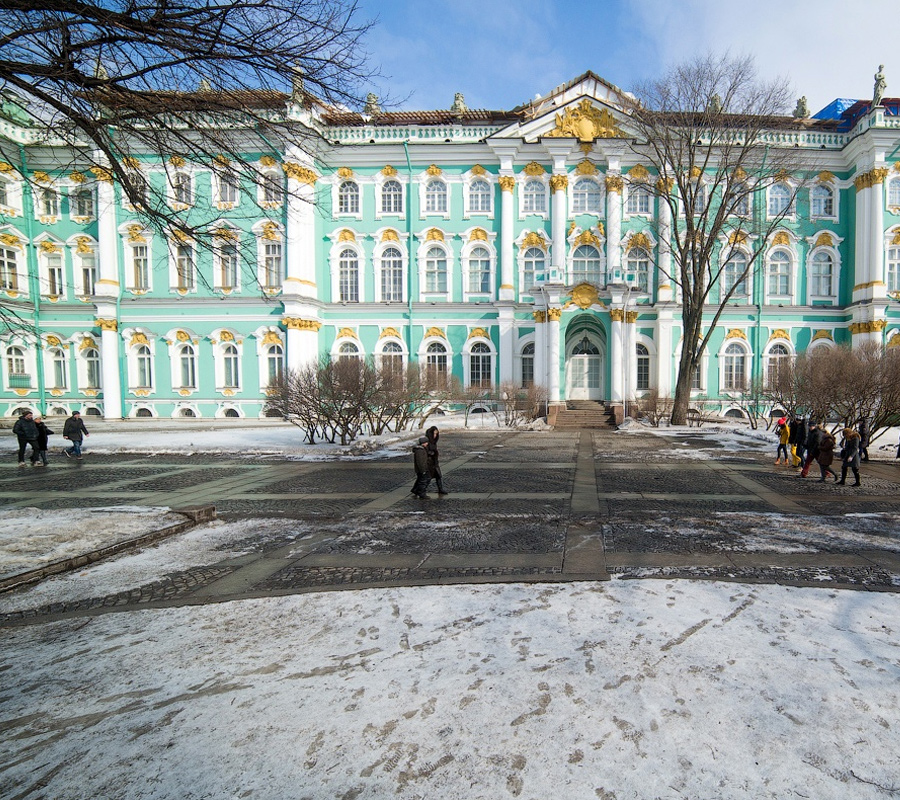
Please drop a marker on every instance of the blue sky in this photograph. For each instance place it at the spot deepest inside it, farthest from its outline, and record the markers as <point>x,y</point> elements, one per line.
<point>500,53</point>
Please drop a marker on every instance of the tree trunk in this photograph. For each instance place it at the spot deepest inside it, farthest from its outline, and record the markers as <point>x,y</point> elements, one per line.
<point>682,394</point>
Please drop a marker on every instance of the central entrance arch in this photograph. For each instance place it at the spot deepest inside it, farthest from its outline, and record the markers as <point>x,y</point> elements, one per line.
<point>585,361</point>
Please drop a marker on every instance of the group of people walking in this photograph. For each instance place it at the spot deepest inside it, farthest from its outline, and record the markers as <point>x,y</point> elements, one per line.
<point>426,460</point>
<point>33,432</point>
<point>802,441</point>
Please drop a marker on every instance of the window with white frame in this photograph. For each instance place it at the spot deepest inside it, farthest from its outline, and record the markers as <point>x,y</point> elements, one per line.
<point>391,263</point>
<point>182,188</point>
<point>534,197</point>
<point>436,197</point>
<point>144,364</point>
<point>480,371</point>
<point>734,276</point>
<point>136,189</point>
<point>779,274</point>
<point>777,360</point>
<point>49,202</point>
<point>272,189</point>
<point>480,196</point>
<point>533,264</point>
<point>274,356</point>
<point>435,270</point>
<point>227,187</point>
<point>348,276</point>
<point>59,373</point>
<point>392,197</point>
<point>348,351</point>
<point>348,198</point>
<point>779,200</point>
<point>9,273</point>
<point>436,373</point>
<point>272,264</point>
<point>642,355</point>
<point>697,378</point>
<point>88,273</point>
<point>587,265</point>
<point>91,356</point>
<point>231,367</point>
<point>184,267</point>
<point>700,198</point>
<point>139,271</point>
<point>226,260</point>
<point>821,282</point>
<point>639,199</point>
<point>894,192</point>
<point>821,201</point>
<point>83,203</point>
<point>53,274</point>
<point>638,265</point>
<point>4,193</point>
<point>479,266</point>
<point>390,360</point>
<point>734,365</point>
<point>16,371</point>
<point>893,269</point>
<point>187,367</point>
<point>527,365</point>
<point>586,196</point>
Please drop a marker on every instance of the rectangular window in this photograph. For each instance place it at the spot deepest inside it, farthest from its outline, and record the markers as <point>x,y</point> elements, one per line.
<point>272,265</point>
<point>643,373</point>
<point>184,267</point>
<point>228,189</point>
<point>84,203</point>
<point>228,266</point>
<point>695,378</point>
<point>140,267</point>
<point>88,274</point>
<point>54,274</point>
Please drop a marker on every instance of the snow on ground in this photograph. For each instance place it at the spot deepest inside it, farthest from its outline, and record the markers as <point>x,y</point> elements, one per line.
<point>631,689</point>
<point>32,538</point>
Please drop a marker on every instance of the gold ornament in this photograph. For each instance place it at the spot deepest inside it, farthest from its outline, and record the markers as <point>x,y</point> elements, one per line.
<point>390,235</point>
<point>478,170</point>
<point>736,333</point>
<point>617,314</point>
<point>614,183</point>
<point>434,235</point>
<point>438,332</point>
<point>478,333</point>
<point>638,240</point>
<point>299,173</point>
<point>479,234</point>
<point>586,168</point>
<point>554,314</point>
<point>534,169</point>
<point>345,235</point>
<point>558,183</point>
<point>507,183</point>
<point>781,238</point>
<point>388,171</point>
<point>585,295</point>
<point>386,333</point>
<point>638,174</point>
<point>345,172</point>
<point>106,324</point>
<point>434,170</point>
<point>824,240</point>
<point>586,123</point>
<point>533,239</point>
<point>540,316</point>
<point>298,324</point>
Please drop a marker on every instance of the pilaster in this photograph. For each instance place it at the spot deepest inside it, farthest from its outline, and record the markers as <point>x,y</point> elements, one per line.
<point>300,267</point>
<point>507,187</point>
<point>109,359</point>
<point>558,212</point>
<point>614,185</point>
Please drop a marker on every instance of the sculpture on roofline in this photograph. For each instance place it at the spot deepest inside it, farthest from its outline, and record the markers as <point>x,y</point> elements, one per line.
<point>880,86</point>
<point>802,109</point>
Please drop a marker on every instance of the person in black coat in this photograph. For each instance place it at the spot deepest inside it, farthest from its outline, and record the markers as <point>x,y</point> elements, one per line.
<point>799,432</point>
<point>850,455</point>
<point>39,459</point>
<point>863,431</point>
<point>420,463</point>
<point>75,432</point>
<point>27,433</point>
<point>434,464</point>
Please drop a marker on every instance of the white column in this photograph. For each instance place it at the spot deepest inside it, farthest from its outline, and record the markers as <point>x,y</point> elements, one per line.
<point>553,315</point>
<point>107,240</point>
<point>107,288</point>
<point>613,225</point>
<point>616,351</point>
<point>665,289</point>
<point>507,344</point>
<point>877,286</point>
<point>861,274</point>
<point>302,341</point>
<point>540,349</point>
<point>300,267</point>
<point>558,214</point>
<point>109,360</point>
<point>507,186</point>
<point>664,347</point>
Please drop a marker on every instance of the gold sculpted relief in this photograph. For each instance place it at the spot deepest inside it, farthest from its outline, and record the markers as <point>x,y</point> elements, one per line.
<point>558,183</point>
<point>585,122</point>
<point>507,183</point>
<point>617,314</point>
<point>554,314</point>
<point>298,324</point>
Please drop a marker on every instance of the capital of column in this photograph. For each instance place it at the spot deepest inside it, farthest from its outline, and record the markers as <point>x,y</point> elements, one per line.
<point>869,179</point>
<point>554,314</point>
<point>614,183</point>
<point>617,314</point>
<point>559,183</point>
<point>296,323</point>
<point>507,183</point>
<point>106,324</point>
<point>540,316</point>
<point>299,173</point>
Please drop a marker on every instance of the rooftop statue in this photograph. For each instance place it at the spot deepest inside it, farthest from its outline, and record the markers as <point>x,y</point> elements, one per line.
<point>880,86</point>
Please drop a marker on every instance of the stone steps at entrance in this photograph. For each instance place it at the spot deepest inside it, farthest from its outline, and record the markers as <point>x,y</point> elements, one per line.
<point>581,414</point>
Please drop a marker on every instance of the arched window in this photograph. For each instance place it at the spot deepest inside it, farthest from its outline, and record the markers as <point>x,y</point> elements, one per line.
<point>348,198</point>
<point>274,363</point>
<point>4,193</point>
<point>528,365</point>
<point>893,269</point>
<point>187,360</point>
<point>9,274</point>
<point>586,265</point>
<point>777,360</point>
<point>585,347</point>
<point>392,198</point>
<point>436,365</point>
<point>480,372</point>
<point>534,197</point>
<point>638,265</point>
<point>182,190</point>
<point>779,200</point>
<point>49,203</point>
<point>232,367</point>
<point>272,188</point>
<point>15,363</point>
<point>735,275</point>
<point>435,197</point>
<point>83,203</point>
<point>779,274</point>
<point>231,413</point>
<point>135,186</point>
<point>479,271</point>
<point>391,275</point>
<point>92,362</point>
<point>586,196</point>
<point>186,412</point>
<point>822,277</point>
<point>60,373</point>
<point>479,197</point>
<point>348,265</point>
<point>143,413</point>
<point>894,192</point>
<point>348,351</point>
<point>639,198</point>
<point>733,368</point>
<point>435,270</point>
<point>391,359</point>
<point>643,367</point>
<point>533,265</point>
<point>821,201</point>
<point>144,367</point>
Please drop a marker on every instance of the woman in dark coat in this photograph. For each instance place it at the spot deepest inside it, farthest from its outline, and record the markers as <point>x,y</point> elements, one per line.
<point>863,439</point>
<point>850,455</point>
<point>825,458</point>
<point>434,464</point>
<point>43,435</point>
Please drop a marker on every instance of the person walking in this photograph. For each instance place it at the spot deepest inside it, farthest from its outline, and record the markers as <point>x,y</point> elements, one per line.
<point>800,445</point>
<point>863,431</point>
<point>420,462</point>
<point>826,456</point>
<point>75,432</point>
<point>27,433</point>
<point>850,456</point>
<point>813,440</point>
<point>784,435</point>
<point>434,464</point>
<point>39,459</point>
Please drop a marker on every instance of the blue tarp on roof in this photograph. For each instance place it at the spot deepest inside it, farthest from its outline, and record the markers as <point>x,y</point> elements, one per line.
<point>835,108</point>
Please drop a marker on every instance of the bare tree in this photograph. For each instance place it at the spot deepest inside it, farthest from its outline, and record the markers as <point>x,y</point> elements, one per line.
<point>708,129</point>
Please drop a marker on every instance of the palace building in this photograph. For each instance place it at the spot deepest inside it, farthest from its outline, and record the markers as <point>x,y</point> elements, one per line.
<point>497,246</point>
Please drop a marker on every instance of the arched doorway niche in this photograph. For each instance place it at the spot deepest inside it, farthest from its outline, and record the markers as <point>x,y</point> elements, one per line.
<point>585,359</point>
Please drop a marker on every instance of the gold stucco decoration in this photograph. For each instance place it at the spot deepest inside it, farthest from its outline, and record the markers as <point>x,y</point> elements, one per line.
<point>478,333</point>
<point>42,177</point>
<point>226,336</point>
<point>6,168</point>
<point>478,170</point>
<point>736,333</point>
<point>182,336</point>
<point>664,185</point>
<point>83,245</point>
<point>869,179</point>
<point>347,333</point>
<point>434,170</point>
<point>299,173</point>
<point>781,238</point>
<point>388,171</point>
<point>271,338</point>
<point>507,183</point>
<point>102,174</point>
<point>614,183</point>
<point>136,234</point>
<point>638,240</point>
<point>478,234</point>
<point>586,237</point>
<point>533,239</point>
<point>540,316</point>
<point>737,237</point>
<point>554,314</point>
<point>638,174</point>
<point>267,161</point>
<point>617,314</point>
<point>534,169</point>
<point>585,295</point>
<point>77,177</point>
<point>822,335</point>
<point>438,332</point>
<point>49,247</point>
<point>345,235</point>
<point>390,235</point>
<point>53,341</point>
<point>631,317</point>
<point>226,233</point>
<point>387,333</point>
<point>586,122</point>
<point>10,240</point>
<point>824,240</point>
<point>345,172</point>
<point>106,324</point>
<point>138,338</point>
<point>298,324</point>
<point>586,167</point>
<point>825,176</point>
<point>558,183</point>
<point>780,333</point>
<point>87,343</point>
<point>696,172</point>
<point>434,235</point>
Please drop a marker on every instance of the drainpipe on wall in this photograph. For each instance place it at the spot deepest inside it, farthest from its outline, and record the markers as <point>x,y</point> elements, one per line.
<point>409,252</point>
<point>34,287</point>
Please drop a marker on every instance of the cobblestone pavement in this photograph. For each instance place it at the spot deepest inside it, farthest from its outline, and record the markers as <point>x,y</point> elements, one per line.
<point>523,507</point>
